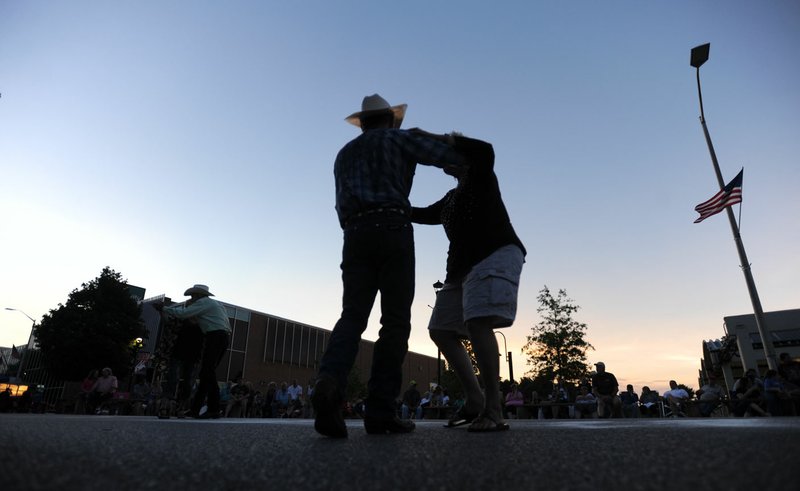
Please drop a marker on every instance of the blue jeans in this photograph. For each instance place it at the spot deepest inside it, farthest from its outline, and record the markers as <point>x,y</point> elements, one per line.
<point>377,256</point>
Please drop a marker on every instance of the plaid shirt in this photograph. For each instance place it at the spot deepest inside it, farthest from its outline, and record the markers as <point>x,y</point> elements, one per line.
<point>376,169</point>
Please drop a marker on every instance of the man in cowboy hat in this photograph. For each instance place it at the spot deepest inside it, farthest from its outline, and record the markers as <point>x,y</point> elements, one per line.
<point>373,175</point>
<point>213,321</point>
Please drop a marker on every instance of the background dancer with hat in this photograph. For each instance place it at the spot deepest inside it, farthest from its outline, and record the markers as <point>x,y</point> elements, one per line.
<point>213,321</point>
<point>373,175</point>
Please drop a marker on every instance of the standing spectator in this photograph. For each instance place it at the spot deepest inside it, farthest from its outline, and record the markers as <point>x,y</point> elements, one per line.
<point>373,175</point>
<point>630,402</point>
<point>213,321</point>
<point>605,388</point>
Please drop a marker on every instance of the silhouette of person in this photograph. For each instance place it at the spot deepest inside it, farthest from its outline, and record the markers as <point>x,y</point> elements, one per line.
<point>411,400</point>
<point>213,321</point>
<point>630,402</point>
<point>5,400</point>
<point>484,263</point>
<point>373,175</point>
<point>605,387</point>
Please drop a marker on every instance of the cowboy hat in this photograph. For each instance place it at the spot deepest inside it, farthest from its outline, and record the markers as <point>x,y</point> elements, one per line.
<point>198,290</point>
<point>373,105</point>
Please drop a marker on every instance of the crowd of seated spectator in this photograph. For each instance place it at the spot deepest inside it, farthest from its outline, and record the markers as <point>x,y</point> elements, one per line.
<point>595,395</point>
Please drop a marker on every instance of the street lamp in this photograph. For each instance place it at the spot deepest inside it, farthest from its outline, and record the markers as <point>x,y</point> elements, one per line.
<point>23,313</point>
<point>508,357</point>
<point>21,369</point>
<point>437,287</point>
<point>134,346</point>
<point>698,57</point>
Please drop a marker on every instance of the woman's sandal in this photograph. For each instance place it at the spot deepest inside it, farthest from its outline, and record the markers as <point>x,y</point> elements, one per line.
<point>461,418</point>
<point>484,424</point>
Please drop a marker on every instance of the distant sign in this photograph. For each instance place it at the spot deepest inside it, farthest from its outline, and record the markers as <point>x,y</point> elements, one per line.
<point>136,292</point>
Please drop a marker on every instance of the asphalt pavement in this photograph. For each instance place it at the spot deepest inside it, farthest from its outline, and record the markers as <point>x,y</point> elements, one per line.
<point>66,452</point>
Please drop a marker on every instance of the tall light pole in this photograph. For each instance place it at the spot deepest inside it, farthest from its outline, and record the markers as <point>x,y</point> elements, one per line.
<point>20,370</point>
<point>508,357</point>
<point>700,56</point>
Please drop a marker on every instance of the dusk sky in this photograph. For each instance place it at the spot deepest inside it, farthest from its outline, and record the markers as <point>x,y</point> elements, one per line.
<point>193,142</point>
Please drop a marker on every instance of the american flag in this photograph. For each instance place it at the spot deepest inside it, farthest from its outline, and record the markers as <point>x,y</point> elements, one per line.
<point>727,196</point>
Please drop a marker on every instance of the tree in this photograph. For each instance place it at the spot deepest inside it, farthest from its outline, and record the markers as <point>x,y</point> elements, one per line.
<point>557,348</point>
<point>96,328</point>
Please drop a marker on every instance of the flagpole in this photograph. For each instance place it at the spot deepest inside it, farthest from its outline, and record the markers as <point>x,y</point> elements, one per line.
<point>699,56</point>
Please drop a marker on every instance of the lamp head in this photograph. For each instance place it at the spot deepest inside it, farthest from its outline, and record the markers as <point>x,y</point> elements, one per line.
<point>700,55</point>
